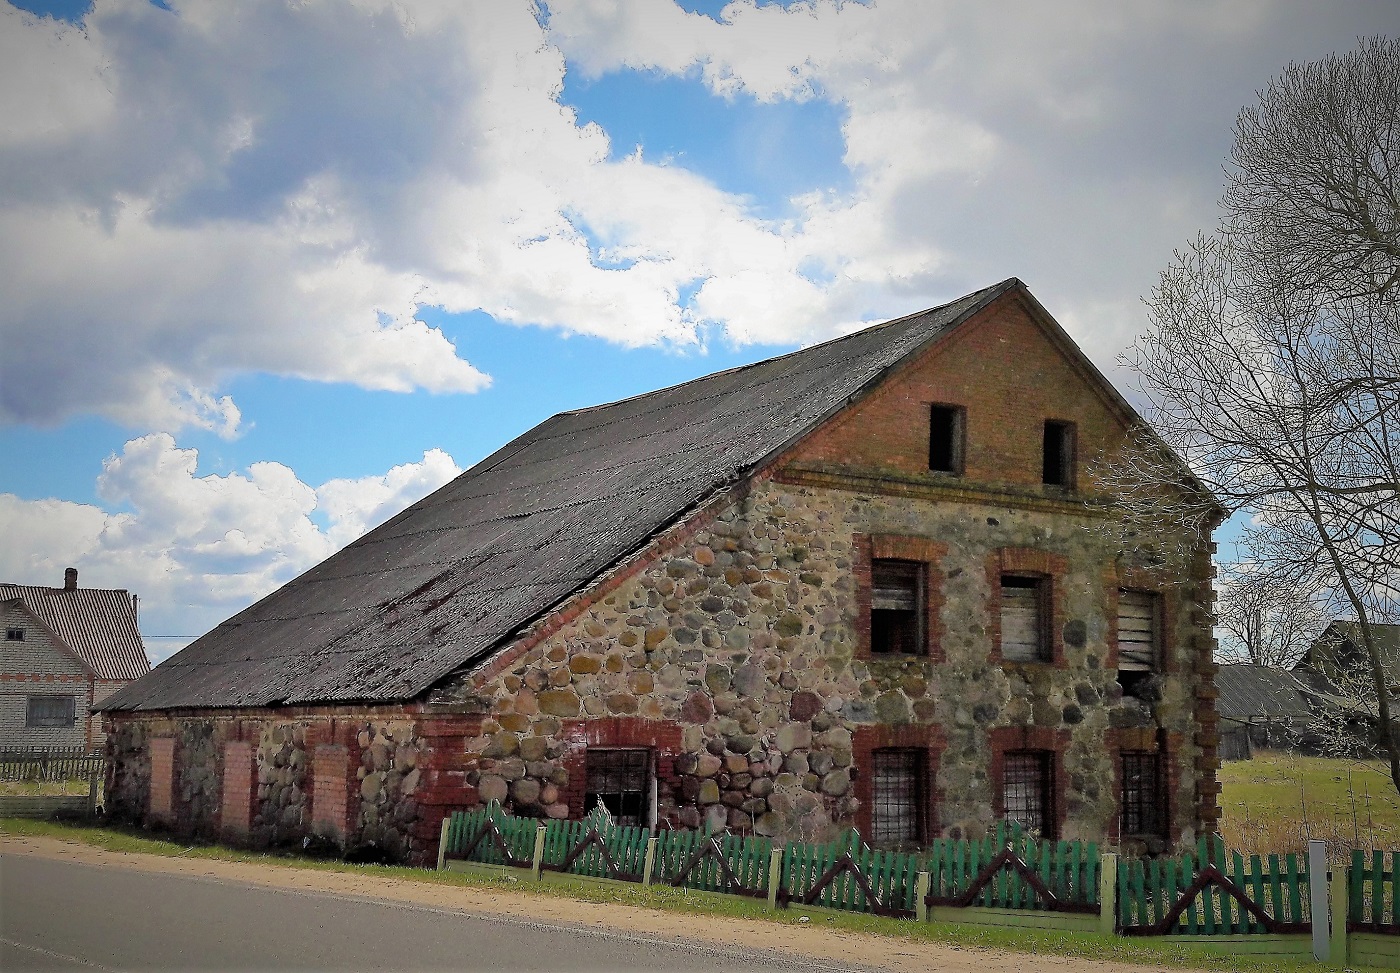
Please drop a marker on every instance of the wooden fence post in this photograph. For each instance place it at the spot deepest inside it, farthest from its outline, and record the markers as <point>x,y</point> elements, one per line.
<point>92,797</point>
<point>538,858</point>
<point>650,859</point>
<point>442,841</point>
<point>775,876</point>
<point>1317,898</point>
<point>921,884</point>
<point>1108,893</point>
<point>1341,884</point>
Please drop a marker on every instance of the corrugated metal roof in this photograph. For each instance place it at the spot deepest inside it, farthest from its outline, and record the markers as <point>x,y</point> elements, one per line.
<point>99,624</point>
<point>442,584</point>
<point>1250,692</point>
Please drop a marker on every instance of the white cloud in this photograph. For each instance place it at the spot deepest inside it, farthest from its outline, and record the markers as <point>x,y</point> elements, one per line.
<point>216,189</point>
<point>198,548</point>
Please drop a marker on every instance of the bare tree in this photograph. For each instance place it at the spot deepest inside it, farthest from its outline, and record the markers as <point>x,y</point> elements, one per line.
<point>1272,364</point>
<point>1263,620</point>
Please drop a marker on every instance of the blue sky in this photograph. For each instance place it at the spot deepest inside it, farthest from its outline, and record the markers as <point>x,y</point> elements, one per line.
<point>274,271</point>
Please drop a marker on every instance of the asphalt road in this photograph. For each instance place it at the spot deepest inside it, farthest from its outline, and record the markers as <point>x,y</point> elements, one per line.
<point>57,915</point>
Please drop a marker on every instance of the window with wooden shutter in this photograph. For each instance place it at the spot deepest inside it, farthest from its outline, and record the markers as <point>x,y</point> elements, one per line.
<point>896,607</point>
<point>1024,635</point>
<point>1139,641</point>
<point>898,798</point>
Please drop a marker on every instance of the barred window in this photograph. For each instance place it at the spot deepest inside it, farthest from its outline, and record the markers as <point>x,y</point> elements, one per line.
<point>621,780</point>
<point>896,607</point>
<point>1026,788</point>
<point>1141,804</point>
<point>1024,633</point>
<point>50,711</point>
<point>898,798</point>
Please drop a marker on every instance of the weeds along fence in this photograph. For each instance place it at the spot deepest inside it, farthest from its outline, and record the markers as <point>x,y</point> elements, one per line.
<point>50,764</point>
<point>1261,905</point>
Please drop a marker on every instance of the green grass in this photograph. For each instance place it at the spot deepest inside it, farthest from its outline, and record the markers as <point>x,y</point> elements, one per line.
<point>1275,802</point>
<point>1080,945</point>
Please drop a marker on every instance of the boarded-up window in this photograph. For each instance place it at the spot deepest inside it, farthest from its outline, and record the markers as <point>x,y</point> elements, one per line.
<point>1138,637</point>
<point>621,780</point>
<point>50,711</point>
<point>1024,637</point>
<point>896,607</point>
<point>1141,804</point>
<point>1027,787</point>
<point>945,439</point>
<point>1057,465</point>
<point>897,811</point>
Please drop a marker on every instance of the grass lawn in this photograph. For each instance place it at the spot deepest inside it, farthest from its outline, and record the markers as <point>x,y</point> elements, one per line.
<point>1275,802</point>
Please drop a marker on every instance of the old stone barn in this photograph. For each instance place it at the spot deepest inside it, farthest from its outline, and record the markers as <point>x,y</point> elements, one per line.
<point>860,584</point>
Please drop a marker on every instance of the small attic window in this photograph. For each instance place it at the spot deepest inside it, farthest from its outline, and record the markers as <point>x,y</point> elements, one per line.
<point>1057,464</point>
<point>14,635</point>
<point>946,438</point>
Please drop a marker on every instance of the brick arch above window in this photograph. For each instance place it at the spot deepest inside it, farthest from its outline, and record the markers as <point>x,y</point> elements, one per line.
<point>929,739</point>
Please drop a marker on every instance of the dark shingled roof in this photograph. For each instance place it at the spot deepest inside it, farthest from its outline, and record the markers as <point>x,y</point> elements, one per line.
<point>1250,692</point>
<point>446,581</point>
<point>98,624</point>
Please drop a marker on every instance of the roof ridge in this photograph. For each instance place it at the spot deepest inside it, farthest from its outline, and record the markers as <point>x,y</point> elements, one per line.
<point>1007,283</point>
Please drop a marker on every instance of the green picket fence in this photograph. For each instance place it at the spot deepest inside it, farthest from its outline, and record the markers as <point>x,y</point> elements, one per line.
<point>1155,896</point>
<point>465,826</point>
<point>626,848</point>
<point>747,859</point>
<point>1068,869</point>
<point>1373,900</point>
<point>891,876</point>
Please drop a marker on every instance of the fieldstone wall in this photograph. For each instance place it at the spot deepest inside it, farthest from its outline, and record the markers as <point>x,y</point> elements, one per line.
<point>381,798</point>
<point>746,636</point>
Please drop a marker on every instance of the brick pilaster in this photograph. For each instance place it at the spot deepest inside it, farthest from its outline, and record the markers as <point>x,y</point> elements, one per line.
<point>161,808</point>
<point>239,790</point>
<point>330,791</point>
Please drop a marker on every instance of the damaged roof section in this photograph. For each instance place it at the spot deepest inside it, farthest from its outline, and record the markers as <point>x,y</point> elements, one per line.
<point>447,581</point>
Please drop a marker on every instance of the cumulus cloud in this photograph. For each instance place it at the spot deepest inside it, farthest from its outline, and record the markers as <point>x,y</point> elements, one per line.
<point>197,548</point>
<point>211,189</point>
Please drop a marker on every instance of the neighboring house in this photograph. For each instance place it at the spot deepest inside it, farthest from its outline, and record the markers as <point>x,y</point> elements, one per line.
<point>1261,706</point>
<point>65,650</point>
<point>1338,670</point>
<point>860,584</point>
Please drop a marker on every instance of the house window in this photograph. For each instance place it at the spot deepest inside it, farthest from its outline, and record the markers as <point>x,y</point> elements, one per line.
<point>1026,788</point>
<point>1024,633</point>
<point>1139,637</point>
<point>896,607</point>
<point>1057,466</point>
<point>14,635</point>
<point>898,798</point>
<point>621,779</point>
<point>50,711</point>
<point>1141,803</point>
<point>946,438</point>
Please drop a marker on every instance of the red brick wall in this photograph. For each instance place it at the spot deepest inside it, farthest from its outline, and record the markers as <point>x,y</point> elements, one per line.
<point>1005,371</point>
<point>330,791</point>
<point>240,786</point>
<point>162,779</point>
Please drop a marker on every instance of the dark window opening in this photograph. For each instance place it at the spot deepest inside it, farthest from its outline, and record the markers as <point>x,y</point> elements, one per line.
<point>898,798</point>
<point>1024,633</point>
<point>1057,467</point>
<point>1142,811</point>
<point>945,439</point>
<point>50,711</point>
<point>621,779</point>
<point>896,607</point>
<point>14,635</point>
<point>1026,789</point>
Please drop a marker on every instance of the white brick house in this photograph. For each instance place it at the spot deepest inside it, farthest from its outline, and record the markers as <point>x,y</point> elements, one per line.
<point>64,650</point>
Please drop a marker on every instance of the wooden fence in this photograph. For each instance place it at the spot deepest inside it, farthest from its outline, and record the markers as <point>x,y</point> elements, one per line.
<point>1260,905</point>
<point>51,764</point>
